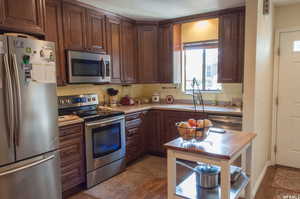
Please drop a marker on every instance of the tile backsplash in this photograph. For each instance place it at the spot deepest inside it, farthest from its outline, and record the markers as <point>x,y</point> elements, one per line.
<point>146,90</point>
<point>77,89</point>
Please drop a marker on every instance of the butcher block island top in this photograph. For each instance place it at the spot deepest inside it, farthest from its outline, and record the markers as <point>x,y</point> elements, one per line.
<point>222,146</point>
<point>217,149</point>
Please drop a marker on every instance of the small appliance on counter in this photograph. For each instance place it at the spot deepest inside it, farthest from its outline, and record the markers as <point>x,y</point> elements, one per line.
<point>126,101</point>
<point>105,143</point>
<point>155,97</point>
<point>113,100</point>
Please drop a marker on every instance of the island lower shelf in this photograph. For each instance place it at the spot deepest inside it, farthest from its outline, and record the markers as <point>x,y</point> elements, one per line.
<point>189,190</point>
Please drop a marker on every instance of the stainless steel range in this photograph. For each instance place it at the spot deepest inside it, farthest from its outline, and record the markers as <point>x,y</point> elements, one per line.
<point>104,136</point>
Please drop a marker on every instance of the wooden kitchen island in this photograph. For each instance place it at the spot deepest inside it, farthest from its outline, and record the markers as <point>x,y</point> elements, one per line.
<point>218,149</point>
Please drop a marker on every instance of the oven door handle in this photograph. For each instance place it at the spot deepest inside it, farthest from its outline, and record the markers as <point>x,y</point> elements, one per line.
<point>104,122</point>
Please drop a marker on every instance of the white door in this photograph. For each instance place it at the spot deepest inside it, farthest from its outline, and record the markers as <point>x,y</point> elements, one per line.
<point>288,116</point>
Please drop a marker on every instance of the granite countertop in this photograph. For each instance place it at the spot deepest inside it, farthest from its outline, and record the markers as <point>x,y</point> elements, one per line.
<point>222,110</point>
<point>235,111</point>
<point>68,120</point>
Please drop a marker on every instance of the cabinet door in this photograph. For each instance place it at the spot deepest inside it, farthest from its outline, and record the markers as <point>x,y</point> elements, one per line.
<point>96,39</point>
<point>153,133</point>
<point>165,57</point>
<point>71,145</point>
<point>114,48</point>
<point>241,60</point>
<point>230,66</point>
<point>54,32</point>
<point>129,52</point>
<point>74,26</point>
<point>23,16</point>
<point>147,54</point>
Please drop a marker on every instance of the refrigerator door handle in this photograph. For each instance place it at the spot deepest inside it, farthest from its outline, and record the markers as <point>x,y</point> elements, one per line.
<point>9,100</point>
<point>26,166</point>
<point>18,97</point>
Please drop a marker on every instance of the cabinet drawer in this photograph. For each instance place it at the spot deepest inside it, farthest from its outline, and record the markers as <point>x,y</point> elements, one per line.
<point>70,154</point>
<point>135,115</point>
<point>132,116</point>
<point>72,175</point>
<point>133,123</point>
<point>134,139</point>
<point>71,148</point>
<point>131,132</point>
<point>68,140</point>
<point>132,153</point>
<point>70,129</point>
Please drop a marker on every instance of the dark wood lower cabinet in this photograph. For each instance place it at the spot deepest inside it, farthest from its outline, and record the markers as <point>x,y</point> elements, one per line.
<point>154,133</point>
<point>135,135</point>
<point>157,127</point>
<point>72,158</point>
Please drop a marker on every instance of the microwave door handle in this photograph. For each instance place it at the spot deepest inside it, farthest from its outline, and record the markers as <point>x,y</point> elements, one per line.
<point>107,69</point>
<point>102,68</point>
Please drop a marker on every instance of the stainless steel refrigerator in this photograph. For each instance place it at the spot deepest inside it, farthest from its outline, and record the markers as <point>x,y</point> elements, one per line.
<point>29,160</point>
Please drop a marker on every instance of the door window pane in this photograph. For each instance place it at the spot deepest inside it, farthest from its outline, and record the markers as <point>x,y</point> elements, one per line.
<point>296,46</point>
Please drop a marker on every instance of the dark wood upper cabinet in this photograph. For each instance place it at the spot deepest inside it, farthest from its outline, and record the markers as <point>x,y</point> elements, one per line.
<point>54,32</point>
<point>241,47</point>
<point>96,38</point>
<point>147,53</point>
<point>23,16</point>
<point>74,22</point>
<point>165,53</point>
<point>231,50</point>
<point>129,51</point>
<point>114,48</point>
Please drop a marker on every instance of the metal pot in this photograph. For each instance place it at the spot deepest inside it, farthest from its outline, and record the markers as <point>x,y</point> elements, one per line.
<point>207,176</point>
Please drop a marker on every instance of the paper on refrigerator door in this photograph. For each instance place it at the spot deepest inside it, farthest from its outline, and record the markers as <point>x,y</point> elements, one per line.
<point>43,73</point>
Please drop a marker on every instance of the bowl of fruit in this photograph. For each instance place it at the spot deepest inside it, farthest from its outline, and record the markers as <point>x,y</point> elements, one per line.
<point>194,129</point>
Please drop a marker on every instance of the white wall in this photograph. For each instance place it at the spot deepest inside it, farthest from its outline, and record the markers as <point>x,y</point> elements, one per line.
<point>258,83</point>
<point>287,16</point>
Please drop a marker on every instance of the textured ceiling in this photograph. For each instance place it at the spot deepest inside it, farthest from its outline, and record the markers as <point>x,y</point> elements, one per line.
<point>162,9</point>
<point>284,2</point>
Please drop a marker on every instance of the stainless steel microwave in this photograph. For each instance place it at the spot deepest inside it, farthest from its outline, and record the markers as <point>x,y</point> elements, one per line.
<point>86,67</point>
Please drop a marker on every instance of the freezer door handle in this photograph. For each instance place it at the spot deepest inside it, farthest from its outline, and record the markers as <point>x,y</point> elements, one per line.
<point>9,100</point>
<point>26,166</point>
<point>17,86</point>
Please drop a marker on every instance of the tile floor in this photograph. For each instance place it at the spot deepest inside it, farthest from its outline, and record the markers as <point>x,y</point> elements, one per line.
<point>280,183</point>
<point>146,179</point>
